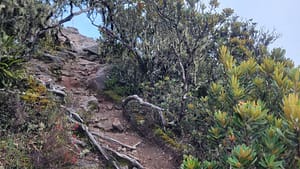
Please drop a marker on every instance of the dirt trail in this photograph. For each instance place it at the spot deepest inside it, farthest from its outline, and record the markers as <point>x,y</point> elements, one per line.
<point>105,118</point>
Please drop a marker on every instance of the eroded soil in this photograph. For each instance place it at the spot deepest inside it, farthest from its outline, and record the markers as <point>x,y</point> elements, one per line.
<point>103,116</point>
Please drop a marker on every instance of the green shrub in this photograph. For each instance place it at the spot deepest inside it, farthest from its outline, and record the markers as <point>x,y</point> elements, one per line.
<point>190,162</point>
<point>10,62</point>
<point>13,154</point>
<point>121,81</point>
<point>252,115</point>
<point>34,132</point>
<point>113,95</point>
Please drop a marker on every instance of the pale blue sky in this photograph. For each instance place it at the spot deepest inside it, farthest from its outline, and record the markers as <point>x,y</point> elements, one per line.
<point>281,16</point>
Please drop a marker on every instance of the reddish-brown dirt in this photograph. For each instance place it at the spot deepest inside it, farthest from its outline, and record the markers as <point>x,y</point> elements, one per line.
<point>105,117</point>
<point>150,155</point>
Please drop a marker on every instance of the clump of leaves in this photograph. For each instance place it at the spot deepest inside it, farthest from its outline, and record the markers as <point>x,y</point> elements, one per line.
<point>36,94</point>
<point>252,115</point>
<point>190,162</point>
<point>242,156</point>
<point>113,95</point>
<point>121,85</point>
<point>7,110</point>
<point>58,150</point>
<point>10,62</point>
<point>43,139</point>
<point>167,139</point>
<point>13,153</point>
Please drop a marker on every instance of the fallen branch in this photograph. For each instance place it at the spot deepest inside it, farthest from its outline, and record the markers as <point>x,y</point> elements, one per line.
<point>78,142</point>
<point>93,140</point>
<point>102,150</point>
<point>116,141</point>
<point>126,157</point>
<point>58,92</point>
<point>73,116</point>
<point>142,102</point>
<point>10,91</point>
<point>97,145</point>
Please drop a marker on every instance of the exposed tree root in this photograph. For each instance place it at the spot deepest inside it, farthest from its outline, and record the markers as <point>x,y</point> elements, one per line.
<point>142,102</point>
<point>102,136</point>
<point>108,153</point>
<point>126,157</point>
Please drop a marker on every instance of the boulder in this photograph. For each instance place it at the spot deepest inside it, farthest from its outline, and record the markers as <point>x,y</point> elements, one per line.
<point>97,82</point>
<point>91,57</point>
<point>48,58</point>
<point>91,53</point>
<point>65,54</point>
<point>92,50</point>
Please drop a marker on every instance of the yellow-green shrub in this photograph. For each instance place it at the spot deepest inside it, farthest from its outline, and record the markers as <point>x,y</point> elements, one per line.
<point>253,115</point>
<point>36,94</point>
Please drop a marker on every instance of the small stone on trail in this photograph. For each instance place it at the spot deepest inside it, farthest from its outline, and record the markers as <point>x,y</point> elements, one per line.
<point>104,125</point>
<point>109,107</point>
<point>97,82</point>
<point>66,73</point>
<point>89,103</point>
<point>117,124</point>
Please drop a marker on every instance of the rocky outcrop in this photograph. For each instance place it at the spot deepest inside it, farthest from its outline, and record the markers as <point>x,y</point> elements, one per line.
<point>97,82</point>
<point>92,50</point>
<point>77,41</point>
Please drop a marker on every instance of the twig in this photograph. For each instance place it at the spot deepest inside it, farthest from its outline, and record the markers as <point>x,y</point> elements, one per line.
<point>101,149</point>
<point>124,156</point>
<point>58,92</point>
<point>138,143</point>
<point>93,140</point>
<point>69,17</point>
<point>79,142</point>
<point>116,141</point>
<point>10,91</point>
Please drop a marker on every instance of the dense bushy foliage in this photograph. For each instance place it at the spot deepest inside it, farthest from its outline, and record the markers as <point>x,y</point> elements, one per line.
<point>236,105</point>
<point>173,45</point>
<point>10,62</point>
<point>233,103</point>
<point>250,115</point>
<point>31,26</point>
<point>29,20</point>
<point>31,135</point>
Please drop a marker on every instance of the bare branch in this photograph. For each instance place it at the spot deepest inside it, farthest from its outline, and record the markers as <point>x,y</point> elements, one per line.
<point>94,142</point>
<point>126,157</point>
<point>114,140</point>
<point>136,52</point>
<point>142,102</point>
<point>69,17</point>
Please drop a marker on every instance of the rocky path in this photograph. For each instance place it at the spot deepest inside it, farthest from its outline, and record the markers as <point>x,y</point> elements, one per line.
<point>80,78</point>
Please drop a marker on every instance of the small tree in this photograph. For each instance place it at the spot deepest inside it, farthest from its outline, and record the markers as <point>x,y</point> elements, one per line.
<point>168,50</point>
